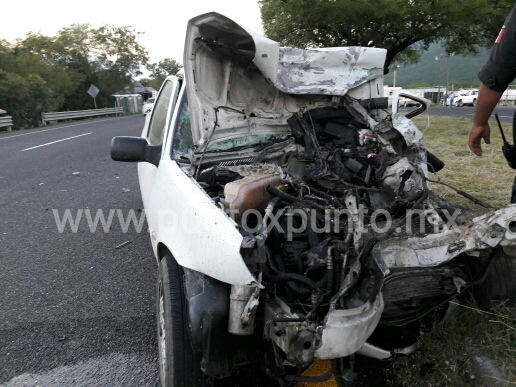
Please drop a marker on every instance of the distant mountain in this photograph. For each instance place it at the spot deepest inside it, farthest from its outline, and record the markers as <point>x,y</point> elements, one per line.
<point>463,69</point>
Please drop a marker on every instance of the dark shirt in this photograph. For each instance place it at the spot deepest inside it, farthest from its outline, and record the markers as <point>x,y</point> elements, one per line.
<point>500,69</point>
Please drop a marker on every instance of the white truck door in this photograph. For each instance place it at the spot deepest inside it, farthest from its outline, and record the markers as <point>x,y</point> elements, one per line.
<point>155,131</point>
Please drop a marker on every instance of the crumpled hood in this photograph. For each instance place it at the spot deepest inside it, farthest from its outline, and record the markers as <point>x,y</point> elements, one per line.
<point>228,65</point>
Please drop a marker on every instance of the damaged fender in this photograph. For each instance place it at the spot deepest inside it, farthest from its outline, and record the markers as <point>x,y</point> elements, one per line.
<point>199,235</point>
<point>495,228</point>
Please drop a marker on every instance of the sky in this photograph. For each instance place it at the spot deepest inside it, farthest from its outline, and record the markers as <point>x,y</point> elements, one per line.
<point>164,22</point>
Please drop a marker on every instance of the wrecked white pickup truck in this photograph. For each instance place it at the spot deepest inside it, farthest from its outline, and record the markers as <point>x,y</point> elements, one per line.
<point>292,218</point>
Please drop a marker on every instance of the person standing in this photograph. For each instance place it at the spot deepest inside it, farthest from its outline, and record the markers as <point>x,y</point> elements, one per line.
<point>497,73</point>
<point>445,98</point>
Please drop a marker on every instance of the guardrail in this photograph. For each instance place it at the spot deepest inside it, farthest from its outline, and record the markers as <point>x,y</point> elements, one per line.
<point>6,122</point>
<point>56,116</point>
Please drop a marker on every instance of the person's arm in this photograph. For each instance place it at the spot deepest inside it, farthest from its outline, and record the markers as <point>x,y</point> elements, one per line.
<point>486,102</point>
<point>497,73</point>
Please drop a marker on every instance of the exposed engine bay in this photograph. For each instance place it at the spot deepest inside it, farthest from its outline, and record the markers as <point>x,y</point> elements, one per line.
<point>342,229</point>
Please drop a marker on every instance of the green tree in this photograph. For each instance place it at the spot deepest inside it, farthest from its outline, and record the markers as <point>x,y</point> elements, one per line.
<point>155,83</point>
<point>404,27</point>
<point>49,73</point>
<point>108,57</point>
<point>159,71</point>
<point>28,85</point>
<point>165,67</point>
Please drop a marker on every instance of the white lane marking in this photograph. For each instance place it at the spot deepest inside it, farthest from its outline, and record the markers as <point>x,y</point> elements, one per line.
<point>53,142</point>
<point>62,127</point>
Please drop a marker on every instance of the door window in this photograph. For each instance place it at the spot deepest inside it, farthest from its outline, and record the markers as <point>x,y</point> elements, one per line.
<point>182,139</point>
<point>159,114</point>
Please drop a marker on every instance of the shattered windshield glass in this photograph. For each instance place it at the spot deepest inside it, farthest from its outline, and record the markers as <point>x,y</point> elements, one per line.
<point>250,142</point>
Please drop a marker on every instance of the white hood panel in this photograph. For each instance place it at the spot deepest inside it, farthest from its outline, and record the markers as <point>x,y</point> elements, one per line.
<point>330,71</point>
<point>229,65</point>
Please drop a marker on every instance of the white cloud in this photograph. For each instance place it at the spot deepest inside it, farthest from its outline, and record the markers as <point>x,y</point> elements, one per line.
<point>164,22</point>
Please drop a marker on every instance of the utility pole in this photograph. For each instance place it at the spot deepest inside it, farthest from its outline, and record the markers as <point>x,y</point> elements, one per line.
<point>438,80</point>
<point>447,71</point>
<point>394,78</point>
<point>447,56</point>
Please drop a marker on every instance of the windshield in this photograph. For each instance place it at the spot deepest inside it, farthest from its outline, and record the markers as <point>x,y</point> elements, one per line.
<point>182,140</point>
<point>151,100</point>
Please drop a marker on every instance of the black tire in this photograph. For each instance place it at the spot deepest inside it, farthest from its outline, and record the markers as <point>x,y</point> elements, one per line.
<point>460,104</point>
<point>178,366</point>
<point>474,103</point>
<point>499,284</point>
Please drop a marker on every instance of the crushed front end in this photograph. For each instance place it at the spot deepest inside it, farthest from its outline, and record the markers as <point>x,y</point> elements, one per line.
<point>339,225</point>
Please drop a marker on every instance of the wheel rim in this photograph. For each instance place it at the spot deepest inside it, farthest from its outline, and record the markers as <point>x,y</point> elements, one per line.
<point>161,335</point>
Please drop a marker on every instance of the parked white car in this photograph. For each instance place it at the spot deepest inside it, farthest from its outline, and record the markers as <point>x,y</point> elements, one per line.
<point>466,98</point>
<point>148,105</point>
<point>254,168</point>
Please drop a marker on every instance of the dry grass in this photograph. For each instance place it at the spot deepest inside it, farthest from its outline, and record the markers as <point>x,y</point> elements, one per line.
<point>488,177</point>
<point>445,354</point>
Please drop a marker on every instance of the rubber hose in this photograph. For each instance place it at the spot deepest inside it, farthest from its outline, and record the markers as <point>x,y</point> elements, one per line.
<point>291,285</point>
<point>291,277</point>
<point>282,195</point>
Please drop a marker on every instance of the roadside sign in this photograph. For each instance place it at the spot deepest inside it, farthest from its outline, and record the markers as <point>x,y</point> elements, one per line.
<point>93,91</point>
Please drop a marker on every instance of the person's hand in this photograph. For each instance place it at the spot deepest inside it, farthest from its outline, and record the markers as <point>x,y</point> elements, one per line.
<point>479,132</point>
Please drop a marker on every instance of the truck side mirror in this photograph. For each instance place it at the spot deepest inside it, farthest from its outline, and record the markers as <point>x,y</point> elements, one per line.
<point>424,103</point>
<point>134,149</point>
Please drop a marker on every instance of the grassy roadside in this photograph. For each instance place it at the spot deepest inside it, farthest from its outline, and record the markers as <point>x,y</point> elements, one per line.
<point>488,177</point>
<point>448,355</point>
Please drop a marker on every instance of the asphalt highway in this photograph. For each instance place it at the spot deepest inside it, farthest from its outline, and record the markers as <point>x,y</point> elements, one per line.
<point>74,308</point>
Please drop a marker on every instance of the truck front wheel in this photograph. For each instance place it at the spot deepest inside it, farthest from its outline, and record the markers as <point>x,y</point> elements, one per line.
<point>178,365</point>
